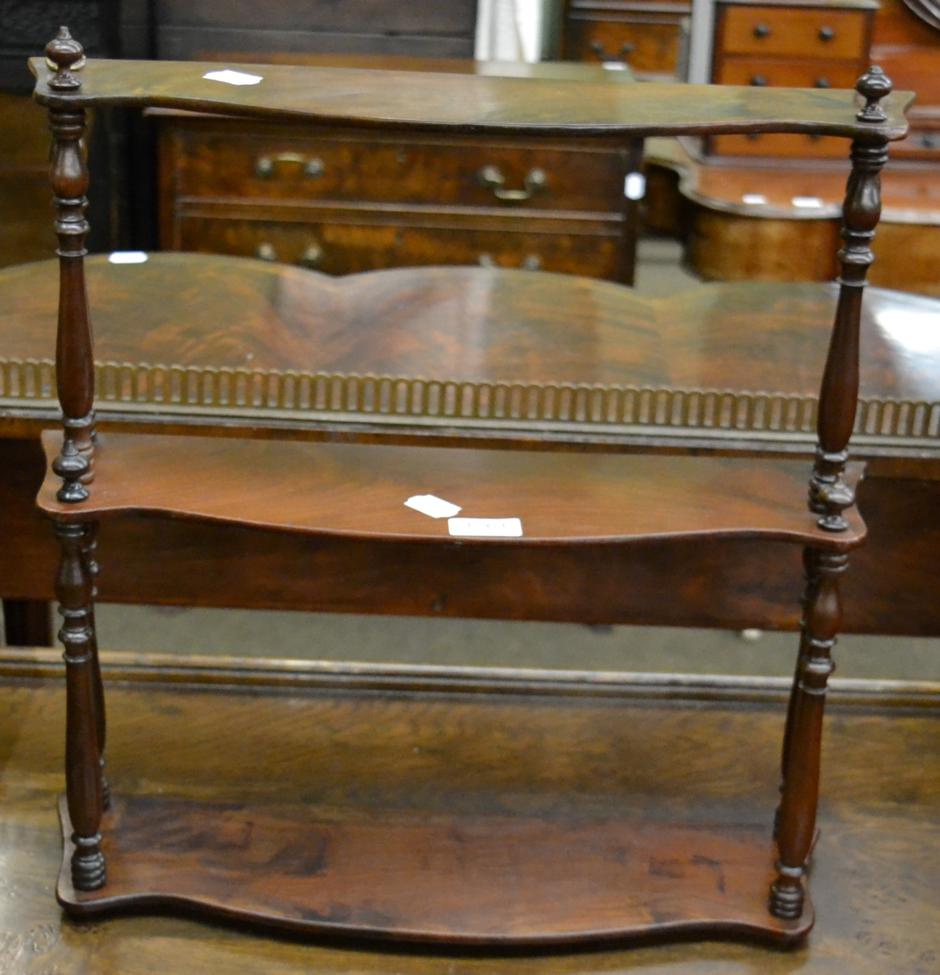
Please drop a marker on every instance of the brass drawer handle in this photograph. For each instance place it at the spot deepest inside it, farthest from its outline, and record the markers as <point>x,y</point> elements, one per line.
<point>626,49</point>
<point>266,166</point>
<point>762,30</point>
<point>531,262</point>
<point>827,33</point>
<point>310,258</point>
<point>493,179</point>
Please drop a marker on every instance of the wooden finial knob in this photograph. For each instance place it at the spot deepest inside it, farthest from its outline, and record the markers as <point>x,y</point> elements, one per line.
<point>64,55</point>
<point>873,86</point>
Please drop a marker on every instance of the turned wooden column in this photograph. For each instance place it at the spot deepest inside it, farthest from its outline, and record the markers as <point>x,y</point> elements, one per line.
<point>796,825</point>
<point>82,753</point>
<point>75,373</point>
<point>809,594</point>
<point>829,496</point>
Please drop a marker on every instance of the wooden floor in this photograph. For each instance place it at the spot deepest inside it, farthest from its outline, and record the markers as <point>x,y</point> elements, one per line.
<point>876,877</point>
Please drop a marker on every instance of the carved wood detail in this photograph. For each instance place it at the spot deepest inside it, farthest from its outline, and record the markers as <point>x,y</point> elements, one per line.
<point>838,396</point>
<point>74,354</point>
<point>315,396</point>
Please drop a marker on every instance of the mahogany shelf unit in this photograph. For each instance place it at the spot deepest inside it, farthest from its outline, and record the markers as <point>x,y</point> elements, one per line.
<point>449,875</point>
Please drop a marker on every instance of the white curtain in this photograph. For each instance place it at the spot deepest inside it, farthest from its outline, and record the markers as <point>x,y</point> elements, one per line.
<point>510,30</point>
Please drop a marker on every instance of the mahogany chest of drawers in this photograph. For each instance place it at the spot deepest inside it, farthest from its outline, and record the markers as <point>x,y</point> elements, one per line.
<point>646,35</point>
<point>348,200</point>
<point>801,45</point>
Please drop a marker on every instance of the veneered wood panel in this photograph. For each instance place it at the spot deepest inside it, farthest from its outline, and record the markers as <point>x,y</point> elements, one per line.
<point>358,491</point>
<point>222,565</point>
<point>409,875</point>
<point>528,106</point>
<point>217,159</point>
<point>339,242</point>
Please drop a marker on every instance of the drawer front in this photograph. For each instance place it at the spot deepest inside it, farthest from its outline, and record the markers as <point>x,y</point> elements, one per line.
<point>346,248</point>
<point>215,161</point>
<point>779,144</point>
<point>796,74</point>
<point>794,32</point>
<point>646,45</point>
<point>789,74</point>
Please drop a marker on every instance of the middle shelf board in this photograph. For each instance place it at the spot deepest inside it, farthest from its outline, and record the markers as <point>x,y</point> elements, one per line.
<point>359,491</point>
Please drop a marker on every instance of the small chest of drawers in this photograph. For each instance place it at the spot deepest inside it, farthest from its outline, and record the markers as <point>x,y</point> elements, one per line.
<point>808,45</point>
<point>646,35</point>
<point>343,200</point>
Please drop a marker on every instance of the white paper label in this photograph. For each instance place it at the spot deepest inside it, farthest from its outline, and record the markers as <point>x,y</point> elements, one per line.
<point>432,506</point>
<point>485,527</point>
<point>753,199</point>
<point>634,186</point>
<point>614,66</point>
<point>127,257</point>
<point>229,77</point>
<point>807,201</point>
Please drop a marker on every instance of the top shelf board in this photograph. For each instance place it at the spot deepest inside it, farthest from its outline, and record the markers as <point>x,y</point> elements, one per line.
<point>472,103</point>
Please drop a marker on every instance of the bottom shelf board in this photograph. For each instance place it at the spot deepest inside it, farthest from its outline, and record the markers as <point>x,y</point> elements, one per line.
<point>464,879</point>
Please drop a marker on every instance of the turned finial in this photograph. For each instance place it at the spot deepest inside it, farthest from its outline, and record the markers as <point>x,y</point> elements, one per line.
<point>64,55</point>
<point>873,86</point>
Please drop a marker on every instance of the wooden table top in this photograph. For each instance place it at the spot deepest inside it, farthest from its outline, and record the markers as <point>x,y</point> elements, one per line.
<point>206,339</point>
<point>561,754</point>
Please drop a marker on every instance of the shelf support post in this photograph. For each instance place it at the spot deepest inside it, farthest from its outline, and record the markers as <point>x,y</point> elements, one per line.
<point>796,819</point>
<point>811,580</point>
<point>829,495</point>
<point>83,781</point>
<point>68,174</point>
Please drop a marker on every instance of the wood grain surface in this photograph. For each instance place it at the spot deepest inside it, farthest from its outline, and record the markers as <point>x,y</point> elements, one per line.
<point>487,878</point>
<point>730,583</point>
<point>471,325</point>
<point>359,490</point>
<point>428,101</point>
<point>348,753</point>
